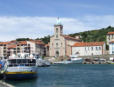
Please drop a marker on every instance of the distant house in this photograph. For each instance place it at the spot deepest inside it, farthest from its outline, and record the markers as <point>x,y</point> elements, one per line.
<point>15,47</point>
<point>111,47</point>
<point>88,48</point>
<point>60,45</point>
<point>110,37</point>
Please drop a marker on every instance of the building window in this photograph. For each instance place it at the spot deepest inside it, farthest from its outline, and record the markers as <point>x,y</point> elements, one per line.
<point>56,44</point>
<point>112,36</point>
<point>28,44</point>
<point>112,48</point>
<point>88,48</point>
<point>61,31</point>
<point>91,48</point>
<point>56,36</point>
<point>85,48</point>
<point>18,48</point>
<point>61,44</point>
<point>99,48</point>
<point>56,30</point>
<point>112,52</point>
<point>96,48</point>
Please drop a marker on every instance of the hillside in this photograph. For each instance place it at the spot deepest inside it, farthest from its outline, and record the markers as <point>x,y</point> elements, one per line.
<point>94,35</point>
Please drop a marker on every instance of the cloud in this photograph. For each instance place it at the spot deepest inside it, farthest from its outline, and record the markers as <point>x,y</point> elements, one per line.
<point>99,21</point>
<point>33,27</point>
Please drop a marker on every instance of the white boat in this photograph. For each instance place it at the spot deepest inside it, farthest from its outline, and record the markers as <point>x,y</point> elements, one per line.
<point>22,66</point>
<point>63,62</point>
<point>42,63</point>
<point>76,59</point>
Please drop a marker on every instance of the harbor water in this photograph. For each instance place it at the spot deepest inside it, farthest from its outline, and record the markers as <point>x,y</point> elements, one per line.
<point>71,75</point>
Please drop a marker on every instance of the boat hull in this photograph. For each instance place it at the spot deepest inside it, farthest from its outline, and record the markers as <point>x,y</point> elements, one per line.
<point>80,61</point>
<point>20,75</point>
<point>21,72</point>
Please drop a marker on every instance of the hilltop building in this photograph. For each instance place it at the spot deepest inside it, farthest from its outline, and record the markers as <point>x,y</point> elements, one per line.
<point>110,42</point>
<point>111,47</point>
<point>60,44</point>
<point>110,37</point>
<point>88,48</point>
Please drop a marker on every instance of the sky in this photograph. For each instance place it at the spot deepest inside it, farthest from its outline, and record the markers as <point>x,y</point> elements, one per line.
<point>35,18</point>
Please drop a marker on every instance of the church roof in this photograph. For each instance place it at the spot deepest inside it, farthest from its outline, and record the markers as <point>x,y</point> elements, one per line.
<point>82,44</point>
<point>70,38</point>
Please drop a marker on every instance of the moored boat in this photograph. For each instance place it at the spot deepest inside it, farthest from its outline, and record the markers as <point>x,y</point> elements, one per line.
<point>21,67</point>
<point>63,62</point>
<point>76,59</point>
<point>43,63</point>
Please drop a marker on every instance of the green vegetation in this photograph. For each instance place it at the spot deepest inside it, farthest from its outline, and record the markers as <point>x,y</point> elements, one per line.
<point>45,39</point>
<point>22,39</point>
<point>94,35</point>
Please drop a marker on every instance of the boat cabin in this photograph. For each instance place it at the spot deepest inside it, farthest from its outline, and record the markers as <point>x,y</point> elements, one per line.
<point>21,62</point>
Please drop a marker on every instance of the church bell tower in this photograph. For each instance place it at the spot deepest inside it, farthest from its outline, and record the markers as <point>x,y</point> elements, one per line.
<point>58,28</point>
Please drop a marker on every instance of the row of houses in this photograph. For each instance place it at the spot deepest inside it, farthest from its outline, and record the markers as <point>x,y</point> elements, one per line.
<point>63,45</point>
<point>15,47</point>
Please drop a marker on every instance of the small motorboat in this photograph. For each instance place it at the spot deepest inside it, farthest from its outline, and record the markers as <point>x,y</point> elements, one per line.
<point>63,62</point>
<point>43,63</point>
<point>76,59</point>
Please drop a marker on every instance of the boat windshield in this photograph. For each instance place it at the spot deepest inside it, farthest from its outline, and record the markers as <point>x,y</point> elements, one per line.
<point>22,62</point>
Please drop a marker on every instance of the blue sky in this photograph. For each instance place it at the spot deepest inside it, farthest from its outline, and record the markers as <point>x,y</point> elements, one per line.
<point>54,8</point>
<point>35,18</point>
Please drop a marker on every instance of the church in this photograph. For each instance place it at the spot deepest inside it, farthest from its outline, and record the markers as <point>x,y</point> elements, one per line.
<point>60,44</point>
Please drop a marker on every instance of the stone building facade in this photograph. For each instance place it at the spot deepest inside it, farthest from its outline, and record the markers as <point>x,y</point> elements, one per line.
<point>60,45</point>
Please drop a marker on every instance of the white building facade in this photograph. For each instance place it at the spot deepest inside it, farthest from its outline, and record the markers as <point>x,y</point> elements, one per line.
<point>110,37</point>
<point>88,48</point>
<point>111,47</point>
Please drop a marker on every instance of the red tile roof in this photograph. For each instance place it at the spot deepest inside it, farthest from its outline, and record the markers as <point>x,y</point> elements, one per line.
<point>4,42</point>
<point>22,42</point>
<point>38,42</point>
<point>12,46</point>
<point>81,44</point>
<point>69,37</point>
<point>110,33</point>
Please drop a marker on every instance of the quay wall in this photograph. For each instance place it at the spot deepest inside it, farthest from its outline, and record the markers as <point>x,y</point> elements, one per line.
<point>4,84</point>
<point>106,56</point>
